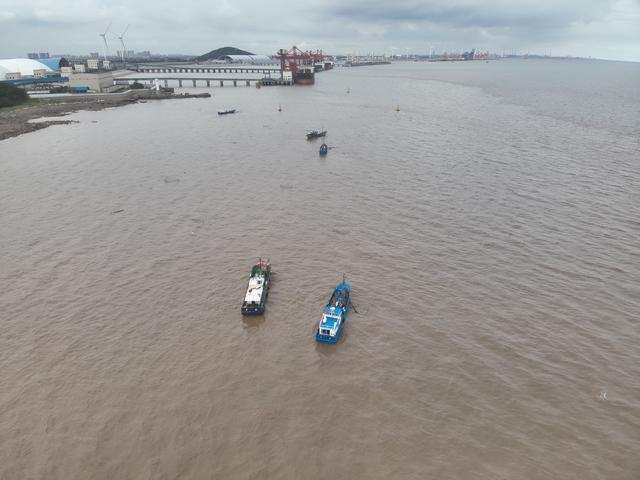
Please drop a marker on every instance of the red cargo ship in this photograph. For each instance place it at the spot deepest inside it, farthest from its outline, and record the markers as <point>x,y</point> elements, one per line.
<point>304,76</point>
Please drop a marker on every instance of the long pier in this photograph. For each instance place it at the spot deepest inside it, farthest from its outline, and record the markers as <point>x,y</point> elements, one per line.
<point>229,68</point>
<point>204,81</point>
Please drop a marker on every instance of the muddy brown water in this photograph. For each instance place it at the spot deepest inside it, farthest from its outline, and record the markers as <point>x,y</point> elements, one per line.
<point>490,231</point>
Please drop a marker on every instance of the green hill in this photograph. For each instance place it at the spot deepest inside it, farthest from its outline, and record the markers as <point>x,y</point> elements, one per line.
<point>220,53</point>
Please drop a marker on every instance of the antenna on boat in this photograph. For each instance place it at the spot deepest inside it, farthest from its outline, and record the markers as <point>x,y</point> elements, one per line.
<point>344,278</point>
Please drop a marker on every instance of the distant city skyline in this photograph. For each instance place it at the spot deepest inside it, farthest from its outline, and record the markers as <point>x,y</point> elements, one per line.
<point>590,28</point>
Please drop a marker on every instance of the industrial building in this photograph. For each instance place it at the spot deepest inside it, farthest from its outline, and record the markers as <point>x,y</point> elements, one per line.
<point>26,67</point>
<point>37,56</point>
<point>93,76</point>
<point>95,82</point>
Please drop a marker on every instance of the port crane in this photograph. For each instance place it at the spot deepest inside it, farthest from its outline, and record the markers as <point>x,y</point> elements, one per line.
<point>294,59</point>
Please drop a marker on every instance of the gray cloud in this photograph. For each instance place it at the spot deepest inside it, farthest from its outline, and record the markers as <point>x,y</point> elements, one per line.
<point>590,27</point>
<point>464,14</point>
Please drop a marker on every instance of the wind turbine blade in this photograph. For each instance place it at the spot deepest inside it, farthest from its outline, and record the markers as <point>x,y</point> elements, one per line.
<point>125,31</point>
<point>108,27</point>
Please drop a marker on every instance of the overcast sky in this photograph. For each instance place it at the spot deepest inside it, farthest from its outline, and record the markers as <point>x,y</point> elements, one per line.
<point>599,28</point>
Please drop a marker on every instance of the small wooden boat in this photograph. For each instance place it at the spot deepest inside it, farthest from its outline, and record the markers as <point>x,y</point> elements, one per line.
<point>323,149</point>
<point>334,314</point>
<point>226,112</point>
<point>315,134</point>
<point>258,289</point>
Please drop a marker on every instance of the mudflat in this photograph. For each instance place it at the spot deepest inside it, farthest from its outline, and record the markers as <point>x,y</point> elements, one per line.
<point>15,121</point>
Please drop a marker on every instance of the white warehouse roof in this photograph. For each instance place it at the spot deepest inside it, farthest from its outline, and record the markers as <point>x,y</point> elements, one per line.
<point>25,66</point>
<point>249,58</point>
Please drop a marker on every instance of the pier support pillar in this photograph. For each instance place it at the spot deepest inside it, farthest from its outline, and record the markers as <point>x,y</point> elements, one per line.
<point>180,83</point>
<point>221,83</point>
<point>208,83</point>
<point>166,84</point>
<point>235,83</point>
<point>248,83</point>
<point>194,84</point>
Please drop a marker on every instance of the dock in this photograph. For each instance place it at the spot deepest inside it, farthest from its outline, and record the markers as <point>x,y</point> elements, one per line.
<point>267,70</point>
<point>208,82</point>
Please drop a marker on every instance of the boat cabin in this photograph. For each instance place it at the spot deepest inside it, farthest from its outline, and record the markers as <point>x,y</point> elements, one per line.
<point>331,319</point>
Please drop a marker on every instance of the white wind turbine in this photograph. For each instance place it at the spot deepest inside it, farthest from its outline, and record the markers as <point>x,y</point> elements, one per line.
<point>124,49</point>
<point>104,37</point>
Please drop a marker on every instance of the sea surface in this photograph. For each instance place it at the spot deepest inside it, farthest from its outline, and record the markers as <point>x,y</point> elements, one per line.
<point>490,230</point>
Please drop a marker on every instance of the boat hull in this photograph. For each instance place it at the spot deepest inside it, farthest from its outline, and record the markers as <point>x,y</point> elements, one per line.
<point>259,310</point>
<point>304,77</point>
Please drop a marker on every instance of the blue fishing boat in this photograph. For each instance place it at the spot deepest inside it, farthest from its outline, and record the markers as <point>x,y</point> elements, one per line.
<point>334,314</point>
<point>323,149</point>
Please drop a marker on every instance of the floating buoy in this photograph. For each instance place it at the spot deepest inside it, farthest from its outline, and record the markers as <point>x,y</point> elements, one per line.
<point>279,108</point>
<point>397,108</point>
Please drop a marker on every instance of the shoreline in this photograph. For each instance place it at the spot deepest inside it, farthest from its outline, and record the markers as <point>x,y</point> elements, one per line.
<point>15,121</point>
